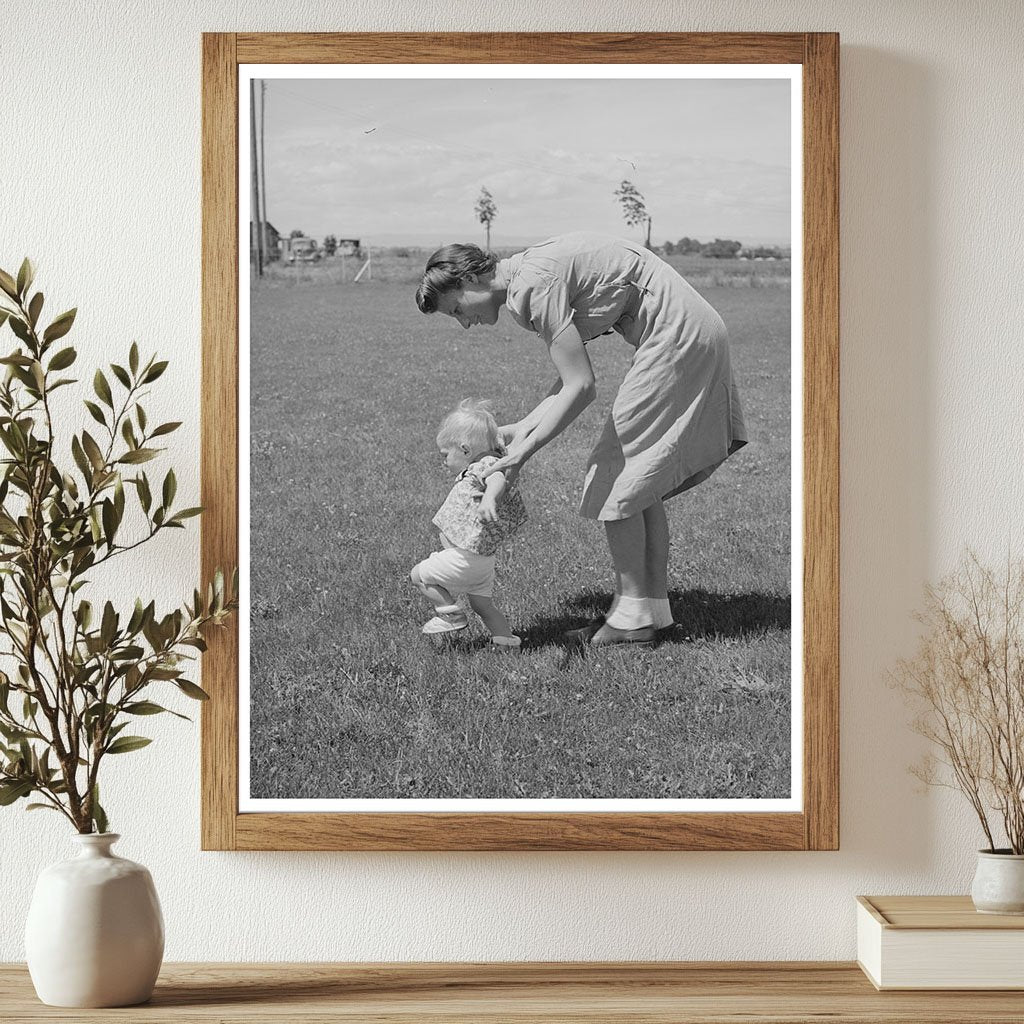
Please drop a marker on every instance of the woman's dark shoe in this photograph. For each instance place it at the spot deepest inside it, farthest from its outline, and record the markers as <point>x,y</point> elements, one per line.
<point>583,634</point>
<point>609,636</point>
<point>599,634</point>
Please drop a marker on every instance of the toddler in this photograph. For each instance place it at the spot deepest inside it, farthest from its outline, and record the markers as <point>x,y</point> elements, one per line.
<point>476,517</point>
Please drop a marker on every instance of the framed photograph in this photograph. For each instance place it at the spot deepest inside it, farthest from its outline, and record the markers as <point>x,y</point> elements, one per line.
<point>520,418</point>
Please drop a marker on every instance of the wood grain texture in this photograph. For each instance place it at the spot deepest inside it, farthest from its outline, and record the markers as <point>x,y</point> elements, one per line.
<point>521,48</point>
<point>520,832</point>
<point>821,441</point>
<point>219,445</point>
<point>936,912</point>
<point>817,827</point>
<point>525,993</point>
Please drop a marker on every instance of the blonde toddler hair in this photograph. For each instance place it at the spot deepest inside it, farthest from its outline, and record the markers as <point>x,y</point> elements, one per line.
<point>473,424</point>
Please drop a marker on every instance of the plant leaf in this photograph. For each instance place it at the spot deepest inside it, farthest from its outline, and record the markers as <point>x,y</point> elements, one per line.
<point>145,498</point>
<point>147,707</point>
<point>139,455</point>
<point>121,374</point>
<point>60,326</point>
<point>7,283</point>
<point>95,412</point>
<point>191,690</point>
<point>133,358</point>
<point>26,274</point>
<point>143,707</point>
<point>185,513</point>
<point>109,521</point>
<point>92,449</point>
<point>126,744</point>
<point>34,309</point>
<point>102,388</point>
<point>128,433</point>
<point>108,627</point>
<point>11,791</point>
<point>165,428</point>
<point>98,815</point>
<point>63,359</point>
<point>170,488</point>
<point>154,371</point>
<point>20,328</point>
<point>80,459</point>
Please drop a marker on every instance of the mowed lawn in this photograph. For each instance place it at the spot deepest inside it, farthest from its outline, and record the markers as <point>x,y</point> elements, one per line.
<point>349,700</point>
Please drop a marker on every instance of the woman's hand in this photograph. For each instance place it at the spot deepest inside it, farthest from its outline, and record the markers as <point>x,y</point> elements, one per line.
<point>510,464</point>
<point>509,433</point>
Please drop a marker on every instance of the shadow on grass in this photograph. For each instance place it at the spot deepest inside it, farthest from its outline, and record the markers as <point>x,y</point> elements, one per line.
<point>698,614</point>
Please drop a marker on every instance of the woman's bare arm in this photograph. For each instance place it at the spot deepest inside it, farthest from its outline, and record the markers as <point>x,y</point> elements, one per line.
<point>514,431</point>
<point>576,391</point>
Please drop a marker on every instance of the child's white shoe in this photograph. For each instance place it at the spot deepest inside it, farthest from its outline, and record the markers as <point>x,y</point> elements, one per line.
<point>447,620</point>
<point>506,643</point>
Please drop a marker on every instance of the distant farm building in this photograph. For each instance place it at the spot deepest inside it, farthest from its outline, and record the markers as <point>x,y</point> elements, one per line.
<point>271,242</point>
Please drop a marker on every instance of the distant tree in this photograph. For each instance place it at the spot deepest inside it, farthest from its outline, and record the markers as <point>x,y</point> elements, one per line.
<point>330,244</point>
<point>634,209</point>
<point>669,248</point>
<point>687,246</point>
<point>764,252</point>
<point>486,211</point>
<point>722,247</point>
<point>296,233</point>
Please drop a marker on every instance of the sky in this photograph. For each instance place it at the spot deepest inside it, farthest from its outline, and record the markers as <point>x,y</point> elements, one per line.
<point>397,162</point>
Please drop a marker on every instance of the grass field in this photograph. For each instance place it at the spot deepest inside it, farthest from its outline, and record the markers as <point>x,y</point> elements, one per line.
<point>348,700</point>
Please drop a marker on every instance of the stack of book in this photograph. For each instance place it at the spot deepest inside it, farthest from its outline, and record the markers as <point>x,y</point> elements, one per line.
<point>938,942</point>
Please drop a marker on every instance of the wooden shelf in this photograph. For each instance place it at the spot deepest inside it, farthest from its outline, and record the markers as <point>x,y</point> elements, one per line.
<point>612,993</point>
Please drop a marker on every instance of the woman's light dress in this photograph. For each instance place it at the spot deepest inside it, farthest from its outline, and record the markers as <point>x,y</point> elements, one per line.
<point>677,415</point>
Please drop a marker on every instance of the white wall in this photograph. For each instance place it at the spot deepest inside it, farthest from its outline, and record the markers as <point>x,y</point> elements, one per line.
<point>100,182</point>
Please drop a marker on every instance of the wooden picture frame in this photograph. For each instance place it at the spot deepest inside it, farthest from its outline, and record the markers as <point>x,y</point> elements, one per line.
<point>816,826</point>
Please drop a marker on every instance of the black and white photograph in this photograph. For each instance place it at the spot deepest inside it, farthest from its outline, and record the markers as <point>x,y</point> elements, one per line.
<point>519,384</point>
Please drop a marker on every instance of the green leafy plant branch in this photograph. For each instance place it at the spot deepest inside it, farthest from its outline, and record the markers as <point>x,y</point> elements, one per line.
<point>80,675</point>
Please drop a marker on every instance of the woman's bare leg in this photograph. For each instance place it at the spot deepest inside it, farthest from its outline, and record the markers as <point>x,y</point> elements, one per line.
<point>627,541</point>
<point>656,551</point>
<point>656,564</point>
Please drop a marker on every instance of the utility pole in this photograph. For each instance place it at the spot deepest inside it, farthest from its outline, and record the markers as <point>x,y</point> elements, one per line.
<point>255,178</point>
<point>263,163</point>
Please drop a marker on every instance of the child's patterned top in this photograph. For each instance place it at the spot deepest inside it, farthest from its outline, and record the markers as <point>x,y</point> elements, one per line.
<point>459,517</point>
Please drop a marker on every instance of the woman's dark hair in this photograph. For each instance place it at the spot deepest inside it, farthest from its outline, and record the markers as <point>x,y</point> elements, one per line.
<point>447,268</point>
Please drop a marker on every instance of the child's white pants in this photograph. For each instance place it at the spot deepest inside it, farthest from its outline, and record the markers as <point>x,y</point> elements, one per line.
<point>459,571</point>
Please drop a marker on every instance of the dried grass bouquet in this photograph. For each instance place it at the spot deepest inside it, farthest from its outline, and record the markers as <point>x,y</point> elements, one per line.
<point>967,678</point>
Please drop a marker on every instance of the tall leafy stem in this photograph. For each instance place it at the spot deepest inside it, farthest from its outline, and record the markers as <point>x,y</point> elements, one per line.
<point>78,676</point>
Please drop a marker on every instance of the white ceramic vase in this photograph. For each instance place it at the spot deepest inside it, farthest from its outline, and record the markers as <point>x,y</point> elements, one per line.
<point>999,882</point>
<point>95,934</point>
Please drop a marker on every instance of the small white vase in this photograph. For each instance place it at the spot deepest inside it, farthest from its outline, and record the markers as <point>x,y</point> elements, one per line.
<point>999,882</point>
<point>95,934</point>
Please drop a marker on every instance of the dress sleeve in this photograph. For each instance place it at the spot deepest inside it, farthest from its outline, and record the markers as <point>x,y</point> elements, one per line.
<point>542,302</point>
<point>473,473</point>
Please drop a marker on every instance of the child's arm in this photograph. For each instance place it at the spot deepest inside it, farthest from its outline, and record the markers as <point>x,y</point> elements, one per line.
<point>494,488</point>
